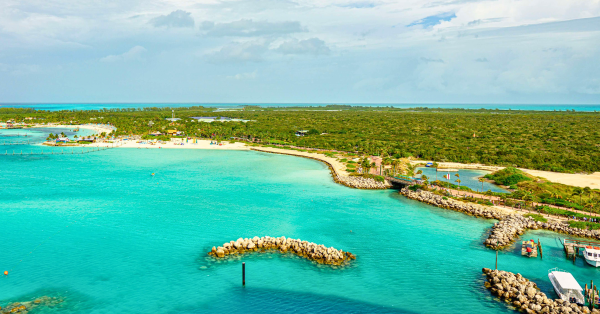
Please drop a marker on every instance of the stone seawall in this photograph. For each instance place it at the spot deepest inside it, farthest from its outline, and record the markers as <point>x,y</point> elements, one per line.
<point>509,227</point>
<point>449,203</point>
<point>525,296</point>
<point>311,251</point>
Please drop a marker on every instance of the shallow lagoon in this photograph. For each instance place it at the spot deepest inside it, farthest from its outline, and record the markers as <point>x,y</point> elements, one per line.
<point>102,232</point>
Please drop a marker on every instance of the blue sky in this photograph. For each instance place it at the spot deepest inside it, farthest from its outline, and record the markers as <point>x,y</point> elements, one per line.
<point>326,51</point>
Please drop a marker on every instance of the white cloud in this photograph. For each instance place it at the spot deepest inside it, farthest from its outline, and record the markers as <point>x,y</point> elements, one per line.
<point>240,52</point>
<point>134,53</point>
<point>245,27</point>
<point>177,18</point>
<point>312,46</point>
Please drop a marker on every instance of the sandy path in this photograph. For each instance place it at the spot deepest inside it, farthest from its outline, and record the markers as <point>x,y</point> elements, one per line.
<point>573,179</point>
<point>338,167</point>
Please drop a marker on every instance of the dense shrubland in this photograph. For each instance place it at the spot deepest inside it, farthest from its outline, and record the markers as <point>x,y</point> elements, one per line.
<point>556,141</point>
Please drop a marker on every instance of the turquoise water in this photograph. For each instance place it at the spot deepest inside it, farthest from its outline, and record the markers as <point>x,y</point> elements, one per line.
<point>96,106</point>
<point>468,178</point>
<point>100,231</point>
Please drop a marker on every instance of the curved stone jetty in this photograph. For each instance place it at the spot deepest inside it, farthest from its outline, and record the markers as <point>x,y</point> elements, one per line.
<point>312,251</point>
<point>509,226</point>
<point>525,296</point>
<point>25,307</point>
<point>507,230</point>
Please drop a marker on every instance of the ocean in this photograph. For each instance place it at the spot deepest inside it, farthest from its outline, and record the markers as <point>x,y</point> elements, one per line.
<point>101,232</point>
<point>97,106</point>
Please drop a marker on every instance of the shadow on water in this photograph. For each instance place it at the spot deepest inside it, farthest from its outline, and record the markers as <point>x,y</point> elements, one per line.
<point>266,301</point>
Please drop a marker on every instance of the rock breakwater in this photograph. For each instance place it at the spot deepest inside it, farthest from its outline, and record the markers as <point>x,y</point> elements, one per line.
<point>508,228</point>
<point>449,203</point>
<point>363,183</point>
<point>311,251</point>
<point>525,296</point>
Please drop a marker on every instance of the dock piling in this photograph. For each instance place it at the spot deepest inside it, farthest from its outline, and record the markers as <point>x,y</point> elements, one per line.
<point>244,274</point>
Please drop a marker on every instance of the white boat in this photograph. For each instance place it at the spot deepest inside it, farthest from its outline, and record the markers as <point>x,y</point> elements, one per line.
<point>592,255</point>
<point>565,285</point>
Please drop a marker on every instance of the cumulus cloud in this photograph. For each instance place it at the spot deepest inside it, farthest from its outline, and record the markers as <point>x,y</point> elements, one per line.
<point>134,53</point>
<point>177,18</point>
<point>312,46</point>
<point>240,52</point>
<point>249,28</point>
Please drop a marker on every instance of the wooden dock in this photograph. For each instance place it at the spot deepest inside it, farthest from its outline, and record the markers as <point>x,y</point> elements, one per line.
<point>534,252</point>
<point>575,247</point>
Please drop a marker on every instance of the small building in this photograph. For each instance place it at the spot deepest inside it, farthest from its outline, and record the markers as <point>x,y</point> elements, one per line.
<point>301,133</point>
<point>89,139</point>
<point>156,133</point>
<point>173,119</point>
<point>174,132</point>
<point>62,140</point>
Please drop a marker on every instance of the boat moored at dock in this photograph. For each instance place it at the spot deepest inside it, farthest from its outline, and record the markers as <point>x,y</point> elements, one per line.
<point>592,255</point>
<point>565,286</point>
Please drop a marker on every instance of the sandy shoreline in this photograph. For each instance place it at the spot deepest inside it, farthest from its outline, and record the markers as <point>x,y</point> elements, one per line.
<point>201,144</point>
<point>99,129</point>
<point>338,167</point>
<point>573,179</point>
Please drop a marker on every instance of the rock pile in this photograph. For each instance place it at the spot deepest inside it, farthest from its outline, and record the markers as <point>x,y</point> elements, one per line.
<point>525,296</point>
<point>449,203</point>
<point>25,307</point>
<point>507,230</point>
<point>363,183</point>
<point>311,251</point>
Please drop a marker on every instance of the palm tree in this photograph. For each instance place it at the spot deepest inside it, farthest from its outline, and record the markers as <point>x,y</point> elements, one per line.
<point>424,178</point>
<point>577,191</point>
<point>435,165</point>
<point>419,172</point>
<point>587,190</point>
<point>458,181</point>
<point>481,179</point>
<point>528,199</point>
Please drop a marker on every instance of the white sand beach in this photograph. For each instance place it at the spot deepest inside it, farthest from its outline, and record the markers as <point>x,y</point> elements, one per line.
<point>201,144</point>
<point>98,129</point>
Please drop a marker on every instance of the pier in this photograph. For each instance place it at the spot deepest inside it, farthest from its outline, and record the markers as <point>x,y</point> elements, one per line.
<point>534,248</point>
<point>574,247</point>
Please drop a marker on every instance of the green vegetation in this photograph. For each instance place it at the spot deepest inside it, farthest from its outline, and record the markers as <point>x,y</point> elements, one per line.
<point>531,189</point>
<point>537,217</point>
<point>508,176</point>
<point>556,141</point>
<point>584,225</point>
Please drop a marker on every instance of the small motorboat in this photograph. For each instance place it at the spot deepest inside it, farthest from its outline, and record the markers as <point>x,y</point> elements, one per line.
<point>592,255</point>
<point>565,285</point>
